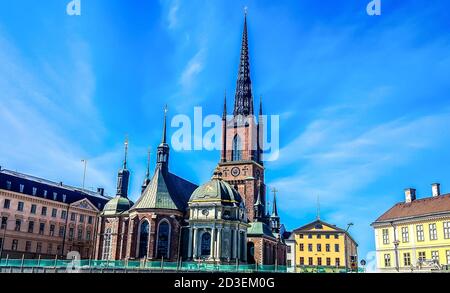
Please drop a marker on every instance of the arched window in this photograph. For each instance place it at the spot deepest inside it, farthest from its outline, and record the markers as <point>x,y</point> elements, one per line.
<point>206,244</point>
<point>106,251</point>
<point>237,149</point>
<point>143,239</point>
<point>163,239</point>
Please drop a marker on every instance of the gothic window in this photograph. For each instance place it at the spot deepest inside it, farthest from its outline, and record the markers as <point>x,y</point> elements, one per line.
<point>206,244</point>
<point>143,239</point>
<point>106,253</point>
<point>237,149</point>
<point>163,239</point>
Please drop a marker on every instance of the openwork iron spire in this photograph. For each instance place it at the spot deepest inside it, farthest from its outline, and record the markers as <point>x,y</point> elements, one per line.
<point>274,205</point>
<point>243,104</point>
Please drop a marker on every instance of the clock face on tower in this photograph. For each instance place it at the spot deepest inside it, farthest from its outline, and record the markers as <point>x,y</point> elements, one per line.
<point>235,171</point>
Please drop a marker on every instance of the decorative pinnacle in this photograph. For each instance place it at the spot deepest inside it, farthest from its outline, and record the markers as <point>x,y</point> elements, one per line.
<point>164,138</point>
<point>126,153</point>
<point>147,175</point>
<point>274,205</point>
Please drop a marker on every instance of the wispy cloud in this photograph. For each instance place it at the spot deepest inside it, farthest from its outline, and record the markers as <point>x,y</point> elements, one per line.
<point>172,16</point>
<point>193,68</point>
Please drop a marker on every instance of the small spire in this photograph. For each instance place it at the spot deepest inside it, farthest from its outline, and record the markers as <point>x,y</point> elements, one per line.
<point>318,208</point>
<point>126,153</point>
<point>274,205</point>
<point>147,174</point>
<point>164,138</point>
<point>224,116</point>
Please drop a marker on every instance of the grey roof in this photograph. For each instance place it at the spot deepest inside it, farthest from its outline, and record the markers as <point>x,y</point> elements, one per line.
<point>260,229</point>
<point>165,191</point>
<point>216,190</point>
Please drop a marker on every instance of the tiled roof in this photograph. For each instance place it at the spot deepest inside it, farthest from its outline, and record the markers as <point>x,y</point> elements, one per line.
<point>72,194</point>
<point>165,191</point>
<point>416,208</point>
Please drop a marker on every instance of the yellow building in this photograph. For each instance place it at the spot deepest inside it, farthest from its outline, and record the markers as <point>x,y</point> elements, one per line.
<point>414,234</point>
<point>319,245</point>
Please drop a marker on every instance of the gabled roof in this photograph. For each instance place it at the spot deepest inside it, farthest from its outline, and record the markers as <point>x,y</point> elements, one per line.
<point>315,227</point>
<point>165,191</point>
<point>420,207</point>
<point>259,229</point>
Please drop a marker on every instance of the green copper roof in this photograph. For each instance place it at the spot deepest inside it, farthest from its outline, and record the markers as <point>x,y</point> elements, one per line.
<point>215,191</point>
<point>117,205</point>
<point>165,191</point>
<point>259,229</point>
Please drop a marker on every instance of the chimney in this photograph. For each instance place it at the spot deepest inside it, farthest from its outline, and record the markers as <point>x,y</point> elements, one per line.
<point>436,189</point>
<point>101,191</point>
<point>410,195</point>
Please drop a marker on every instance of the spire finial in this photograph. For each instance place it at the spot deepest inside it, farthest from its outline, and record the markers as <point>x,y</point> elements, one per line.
<point>147,174</point>
<point>164,138</point>
<point>224,115</point>
<point>126,152</point>
<point>245,11</point>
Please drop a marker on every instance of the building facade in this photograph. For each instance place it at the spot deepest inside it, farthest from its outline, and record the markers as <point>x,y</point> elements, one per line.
<point>322,245</point>
<point>414,235</point>
<point>45,219</point>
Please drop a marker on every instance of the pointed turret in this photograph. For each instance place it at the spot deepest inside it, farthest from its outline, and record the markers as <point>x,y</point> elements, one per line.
<point>163,148</point>
<point>123,176</point>
<point>147,173</point>
<point>243,104</point>
<point>259,206</point>
<point>274,218</point>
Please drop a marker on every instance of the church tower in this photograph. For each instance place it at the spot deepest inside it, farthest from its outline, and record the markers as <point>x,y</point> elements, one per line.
<point>241,162</point>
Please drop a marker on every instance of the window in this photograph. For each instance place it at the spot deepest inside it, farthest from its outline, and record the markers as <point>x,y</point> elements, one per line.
<point>28,246</point>
<point>21,187</point>
<point>338,262</point>
<point>435,256</point>
<point>54,213</point>
<point>448,256</point>
<point>64,197</point>
<point>8,185</point>
<point>6,204</point>
<point>319,247</point>
<point>405,234</point>
<point>407,259</point>
<point>420,233</point>
<point>88,235</point>
<point>44,211</point>
<point>81,218</point>
<point>301,236</point>
<point>336,236</point>
<point>319,236</point>
<point>41,228</point>
<point>18,225</point>
<point>50,248</point>
<point>302,247</point>
<point>58,249</point>
<point>237,149</point>
<point>302,261</point>
<point>310,261</point>
<point>319,261</point>
<point>327,236</point>
<point>45,193</point>
<point>4,223</point>
<point>385,236</point>
<point>309,236</point>
<point>310,247</point>
<point>63,215</point>
<point>33,209</point>
<point>30,227</point>
<point>80,234</point>
<point>433,231</point>
<point>14,245</point>
<point>205,244</point>
<point>90,219</point>
<point>61,231</point>
<point>34,191</point>
<point>289,263</point>
<point>422,256</point>
<point>163,240</point>
<point>39,247</point>
<point>447,230</point>
<point>327,247</point>
<point>73,217</point>
<point>387,260</point>
<point>328,261</point>
<point>55,196</point>
<point>143,239</point>
<point>71,232</point>
<point>336,247</point>
<point>20,206</point>
<point>52,230</point>
<point>289,249</point>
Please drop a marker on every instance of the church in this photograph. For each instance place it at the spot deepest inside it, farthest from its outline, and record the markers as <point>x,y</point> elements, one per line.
<point>225,220</point>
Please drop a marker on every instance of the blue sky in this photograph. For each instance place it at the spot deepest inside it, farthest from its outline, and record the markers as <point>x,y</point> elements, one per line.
<point>363,101</point>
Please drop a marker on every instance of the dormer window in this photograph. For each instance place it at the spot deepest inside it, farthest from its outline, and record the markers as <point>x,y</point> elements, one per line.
<point>45,193</point>
<point>64,197</point>
<point>8,185</point>
<point>22,187</point>
<point>55,196</point>
<point>34,191</point>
